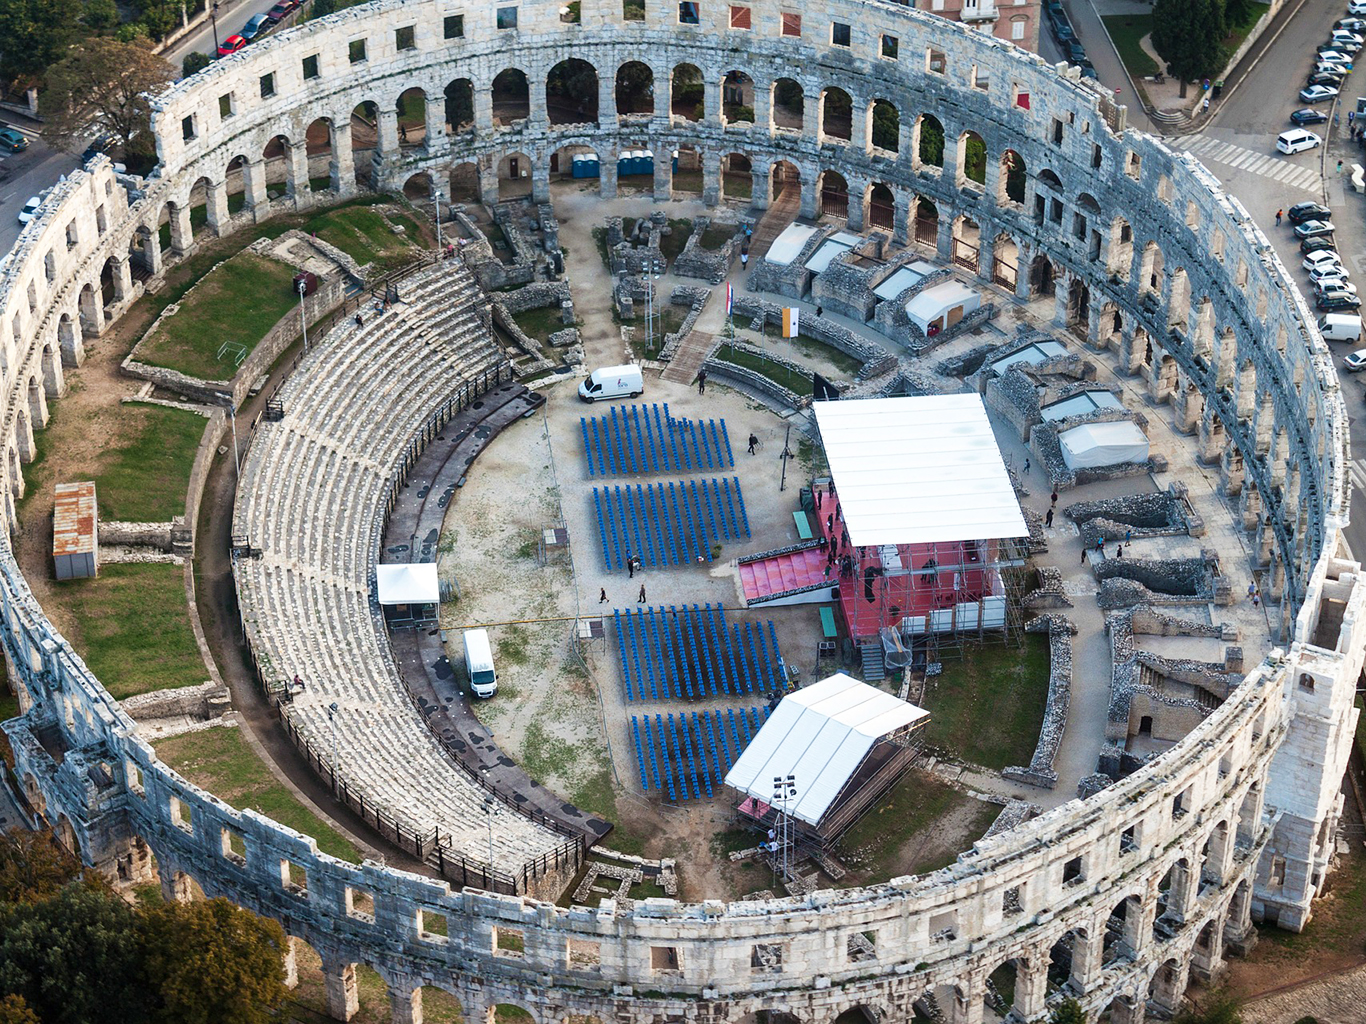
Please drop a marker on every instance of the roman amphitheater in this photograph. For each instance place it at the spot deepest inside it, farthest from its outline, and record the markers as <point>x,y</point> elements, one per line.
<point>1136,253</point>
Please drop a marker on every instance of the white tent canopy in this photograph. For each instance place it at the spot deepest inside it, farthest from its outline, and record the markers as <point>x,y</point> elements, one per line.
<point>902,278</point>
<point>944,304</point>
<point>407,583</point>
<point>819,735</point>
<point>787,246</point>
<point>1079,405</point>
<point>1103,444</point>
<point>836,245</point>
<point>918,470</point>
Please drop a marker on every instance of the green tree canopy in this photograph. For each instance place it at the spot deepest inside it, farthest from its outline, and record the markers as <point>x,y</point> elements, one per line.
<point>1188,35</point>
<point>33,867</point>
<point>194,61</point>
<point>104,83</point>
<point>1068,1011</point>
<point>35,33</point>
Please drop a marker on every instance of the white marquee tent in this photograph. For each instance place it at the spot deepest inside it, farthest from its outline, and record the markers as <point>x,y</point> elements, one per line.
<point>788,245</point>
<point>942,306</point>
<point>819,735</point>
<point>407,583</point>
<point>1092,445</point>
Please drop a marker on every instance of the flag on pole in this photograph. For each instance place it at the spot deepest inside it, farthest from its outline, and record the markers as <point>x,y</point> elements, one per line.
<point>730,296</point>
<point>790,322</point>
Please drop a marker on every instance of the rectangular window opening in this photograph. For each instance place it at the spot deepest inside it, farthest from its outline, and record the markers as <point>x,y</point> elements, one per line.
<point>267,86</point>
<point>741,18</point>
<point>792,25</point>
<point>840,34</point>
<point>1012,902</point>
<point>861,947</point>
<point>766,958</point>
<point>584,955</point>
<point>688,13</point>
<point>510,942</point>
<point>1071,872</point>
<point>360,904</point>
<point>405,38</point>
<point>233,847</point>
<point>890,46</point>
<point>356,51</point>
<point>187,131</point>
<point>664,958</point>
<point>293,878</point>
<point>506,17</point>
<point>310,65</point>
<point>454,26</point>
<point>225,106</point>
<point>432,926</point>
<point>632,10</point>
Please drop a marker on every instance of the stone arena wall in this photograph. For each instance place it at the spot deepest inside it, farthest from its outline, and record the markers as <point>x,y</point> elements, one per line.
<point>1147,256</point>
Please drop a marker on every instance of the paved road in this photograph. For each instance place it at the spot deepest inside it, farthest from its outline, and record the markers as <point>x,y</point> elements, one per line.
<point>1109,71</point>
<point>29,173</point>
<point>1238,147</point>
<point>232,15</point>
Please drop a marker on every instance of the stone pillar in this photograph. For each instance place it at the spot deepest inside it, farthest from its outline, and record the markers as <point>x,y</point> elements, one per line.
<point>901,219</point>
<point>1062,285</point>
<point>986,244</point>
<point>711,100</point>
<point>175,884</point>
<point>123,280</point>
<point>537,117</point>
<point>405,1003</point>
<point>299,188</point>
<point>1126,1010</point>
<point>23,440</point>
<point>182,235</point>
<point>758,193</point>
<point>216,206</point>
<point>763,110</point>
<point>944,241</point>
<point>711,178</point>
<point>950,170</point>
<point>254,185</point>
<point>664,176</point>
<point>1087,954</point>
<point>809,207</point>
<point>483,110</point>
<point>607,174</point>
<point>995,184</point>
<point>69,340</point>
<point>1181,896</point>
<point>1277,576</point>
<point>92,310</point>
<point>291,962</point>
<point>1023,258</point>
<point>151,250</point>
<point>1031,985</point>
<point>342,169</point>
<point>386,144</point>
<point>607,107</point>
<point>663,97</point>
<point>488,179</point>
<point>339,987</point>
<point>540,181</point>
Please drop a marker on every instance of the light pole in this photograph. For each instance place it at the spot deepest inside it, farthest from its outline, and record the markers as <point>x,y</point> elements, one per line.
<point>784,789</point>
<point>332,711</point>
<point>213,17</point>
<point>236,458</point>
<point>436,195</point>
<point>490,809</point>
<point>303,318</point>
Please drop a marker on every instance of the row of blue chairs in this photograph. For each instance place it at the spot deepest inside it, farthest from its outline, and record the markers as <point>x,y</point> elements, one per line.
<point>668,524</point>
<point>690,755</point>
<point>641,440</point>
<point>691,653</point>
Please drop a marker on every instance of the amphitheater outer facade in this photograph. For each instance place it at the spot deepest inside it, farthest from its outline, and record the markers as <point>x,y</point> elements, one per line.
<point>1239,818</point>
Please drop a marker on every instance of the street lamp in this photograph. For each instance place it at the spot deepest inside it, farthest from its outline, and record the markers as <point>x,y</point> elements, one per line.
<point>302,286</point>
<point>213,17</point>
<point>490,810</point>
<point>437,196</point>
<point>784,789</point>
<point>332,711</point>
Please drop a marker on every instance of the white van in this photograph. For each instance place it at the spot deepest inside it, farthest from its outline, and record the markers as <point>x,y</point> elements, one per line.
<point>1340,327</point>
<point>479,663</point>
<point>612,382</point>
<point>1297,140</point>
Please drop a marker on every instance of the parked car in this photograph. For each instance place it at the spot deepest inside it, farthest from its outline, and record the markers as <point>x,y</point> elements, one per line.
<point>1332,79</point>
<point>1297,140</point>
<point>1301,212</point>
<point>1308,115</point>
<point>12,139</point>
<point>1322,258</point>
<point>1348,35</point>
<point>1088,70</point>
<point>1329,272</point>
<point>231,45</point>
<point>1326,305</point>
<point>1329,51</point>
<point>1347,44</point>
<point>1313,228</point>
<point>259,25</point>
<point>30,209</point>
<point>1319,244</point>
<point>281,9</point>
<point>1357,7</point>
<point>1076,52</point>
<point>1318,93</point>
<point>1334,294</point>
<point>1350,24</point>
<point>1333,284</point>
<point>1329,67</point>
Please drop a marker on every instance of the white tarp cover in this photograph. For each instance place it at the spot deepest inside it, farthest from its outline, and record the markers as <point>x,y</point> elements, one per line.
<point>1079,405</point>
<point>902,278</point>
<point>788,245</point>
<point>819,735</point>
<point>928,306</point>
<point>407,583</point>
<point>918,470</point>
<point>1102,444</point>
<point>828,250</point>
<point>1034,354</point>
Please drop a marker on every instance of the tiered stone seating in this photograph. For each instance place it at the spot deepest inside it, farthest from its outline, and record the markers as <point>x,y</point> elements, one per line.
<point>311,501</point>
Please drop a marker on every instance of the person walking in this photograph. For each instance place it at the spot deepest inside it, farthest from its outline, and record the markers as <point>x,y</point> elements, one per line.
<point>641,598</point>
<point>701,382</point>
<point>1119,551</point>
<point>820,310</point>
<point>1279,215</point>
<point>1053,500</point>
<point>753,440</point>
<point>1026,469</point>
<point>1048,518</point>
<point>602,595</point>
<point>630,567</point>
<point>1339,166</point>
<point>1100,546</point>
<point>744,260</point>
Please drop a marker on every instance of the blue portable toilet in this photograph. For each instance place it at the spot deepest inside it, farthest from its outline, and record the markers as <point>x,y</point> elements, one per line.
<point>674,166</point>
<point>647,161</point>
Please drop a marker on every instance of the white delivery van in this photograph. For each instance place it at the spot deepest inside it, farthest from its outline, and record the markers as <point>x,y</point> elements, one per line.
<point>479,663</point>
<point>1340,326</point>
<point>612,382</point>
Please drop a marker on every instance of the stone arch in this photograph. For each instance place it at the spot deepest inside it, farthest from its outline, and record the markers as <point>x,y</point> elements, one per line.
<point>279,169</point>
<point>1047,177</point>
<point>926,220</point>
<point>1179,304</point>
<point>510,1013</point>
<point>54,381</point>
<point>511,97</point>
<point>66,835</point>
<point>884,127</point>
<point>686,168</point>
<point>832,194</point>
<point>782,177</point>
<point>1014,178</point>
<point>1173,892</point>
<point>1005,261</point>
<point>32,793</point>
<point>788,107</point>
<point>138,864</point>
<point>635,89</point>
<point>92,316</point>
<point>737,176</point>
<point>198,202</point>
<point>636,169</point>
<point>418,186</point>
<point>1078,304</point>
<point>514,176</point>
<point>861,1013</point>
<point>37,401</point>
<point>571,93</point>
<point>459,97</point>
<point>770,1017</point>
<point>880,204</point>
<point>687,93</point>
<point>1042,276</point>
<point>836,114</point>
<point>365,143</point>
<point>1151,272</point>
<point>972,159</point>
<point>412,118</point>
<point>1001,988</point>
<point>109,277</point>
<point>1167,986</point>
<point>464,182</point>
<point>575,161</point>
<point>1065,959</point>
<point>1122,931</point>
<point>928,145</point>
<point>967,242</point>
<point>737,98</point>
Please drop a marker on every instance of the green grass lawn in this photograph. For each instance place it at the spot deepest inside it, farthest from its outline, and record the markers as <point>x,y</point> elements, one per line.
<point>133,628</point>
<point>716,236</point>
<point>687,181</point>
<point>813,348</point>
<point>220,761</point>
<point>798,383</point>
<point>1126,30</point>
<point>144,479</point>
<point>366,236</point>
<point>539,323</point>
<point>986,708</point>
<point>672,244</point>
<point>1238,33</point>
<point>238,303</point>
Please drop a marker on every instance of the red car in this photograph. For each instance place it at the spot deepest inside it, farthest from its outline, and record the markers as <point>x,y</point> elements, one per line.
<point>281,9</point>
<point>231,45</point>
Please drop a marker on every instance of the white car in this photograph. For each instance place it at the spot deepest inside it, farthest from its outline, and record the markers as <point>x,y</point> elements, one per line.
<point>1348,43</point>
<point>1357,7</point>
<point>1347,34</point>
<point>1328,67</point>
<point>1355,361</point>
<point>1297,140</point>
<point>1318,93</point>
<point>30,209</point>
<point>1349,25</point>
<point>1323,258</point>
<point>1330,277</point>
<point>1336,56</point>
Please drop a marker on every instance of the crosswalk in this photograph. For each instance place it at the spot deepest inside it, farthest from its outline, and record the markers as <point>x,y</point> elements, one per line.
<point>1277,168</point>
<point>1356,472</point>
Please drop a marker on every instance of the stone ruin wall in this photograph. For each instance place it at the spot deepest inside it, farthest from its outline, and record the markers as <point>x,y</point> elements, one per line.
<point>1210,321</point>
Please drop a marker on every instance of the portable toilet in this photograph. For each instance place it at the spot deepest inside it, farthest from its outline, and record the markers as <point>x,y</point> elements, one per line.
<point>647,161</point>
<point>674,165</point>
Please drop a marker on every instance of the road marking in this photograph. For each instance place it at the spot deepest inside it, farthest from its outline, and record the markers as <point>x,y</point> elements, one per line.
<point>1243,159</point>
<point>1356,470</point>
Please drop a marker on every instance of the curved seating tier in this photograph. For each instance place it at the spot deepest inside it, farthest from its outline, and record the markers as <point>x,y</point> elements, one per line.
<point>311,503</point>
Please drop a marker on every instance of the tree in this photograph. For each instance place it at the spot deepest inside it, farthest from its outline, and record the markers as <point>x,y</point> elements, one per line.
<point>210,961</point>
<point>13,1010</point>
<point>1188,35</point>
<point>106,83</point>
<point>70,958</point>
<point>1236,13</point>
<point>931,141</point>
<point>194,61</point>
<point>35,33</point>
<point>886,126</point>
<point>101,15</point>
<point>1218,1008</point>
<point>1068,1011</point>
<point>33,867</point>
